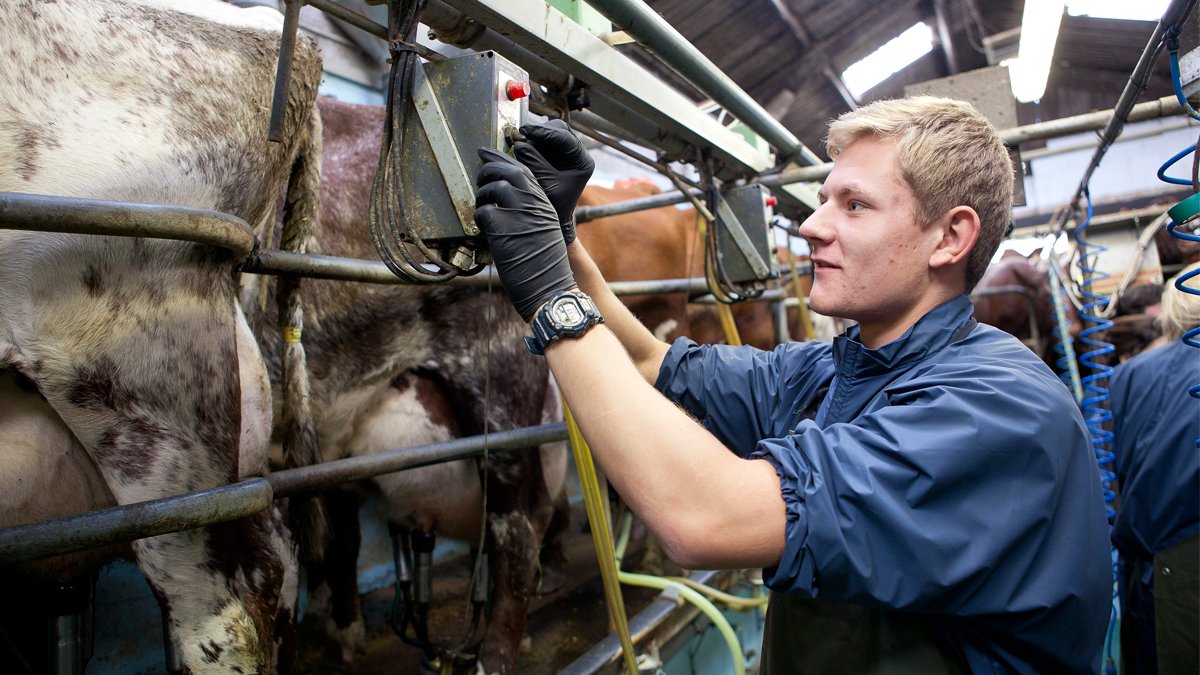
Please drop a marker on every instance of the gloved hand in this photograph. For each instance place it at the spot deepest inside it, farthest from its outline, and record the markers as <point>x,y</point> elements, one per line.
<point>560,164</point>
<point>523,233</point>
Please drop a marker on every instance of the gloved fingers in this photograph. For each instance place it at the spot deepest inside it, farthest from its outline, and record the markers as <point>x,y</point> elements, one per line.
<point>515,174</point>
<point>558,144</point>
<point>530,157</point>
<point>499,193</point>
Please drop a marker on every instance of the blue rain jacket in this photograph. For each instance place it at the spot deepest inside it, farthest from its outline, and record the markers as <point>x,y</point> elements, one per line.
<point>1155,428</point>
<point>943,475</point>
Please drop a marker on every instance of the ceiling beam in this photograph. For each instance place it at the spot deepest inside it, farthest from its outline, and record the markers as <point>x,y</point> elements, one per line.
<point>805,38</point>
<point>819,49</point>
<point>942,19</point>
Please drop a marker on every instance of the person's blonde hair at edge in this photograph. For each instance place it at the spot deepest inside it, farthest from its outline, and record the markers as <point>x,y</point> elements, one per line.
<point>1180,310</point>
<point>949,155</point>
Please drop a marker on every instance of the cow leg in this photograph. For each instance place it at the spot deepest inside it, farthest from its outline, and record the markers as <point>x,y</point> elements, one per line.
<point>147,372</point>
<point>552,559</point>
<point>339,572</point>
<point>519,511</point>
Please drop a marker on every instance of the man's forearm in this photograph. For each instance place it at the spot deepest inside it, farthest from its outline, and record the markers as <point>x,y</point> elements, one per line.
<point>645,350</point>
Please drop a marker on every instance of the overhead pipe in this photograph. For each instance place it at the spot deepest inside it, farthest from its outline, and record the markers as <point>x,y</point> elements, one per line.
<point>654,33</point>
<point>1175,14</point>
<point>1162,107</point>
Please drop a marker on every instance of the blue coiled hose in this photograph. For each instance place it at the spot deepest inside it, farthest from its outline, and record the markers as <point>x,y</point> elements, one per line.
<point>1095,384</point>
<point>1192,337</point>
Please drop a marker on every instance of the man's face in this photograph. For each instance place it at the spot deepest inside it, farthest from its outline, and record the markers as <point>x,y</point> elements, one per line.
<point>870,256</point>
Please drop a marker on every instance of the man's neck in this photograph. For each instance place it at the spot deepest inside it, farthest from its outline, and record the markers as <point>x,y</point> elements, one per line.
<point>875,334</point>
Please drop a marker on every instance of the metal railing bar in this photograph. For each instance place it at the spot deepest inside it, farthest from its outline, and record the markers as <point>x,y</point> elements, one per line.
<point>75,215</point>
<point>133,521</point>
<point>238,500</point>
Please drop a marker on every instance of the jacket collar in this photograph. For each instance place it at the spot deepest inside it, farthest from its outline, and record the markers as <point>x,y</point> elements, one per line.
<point>929,335</point>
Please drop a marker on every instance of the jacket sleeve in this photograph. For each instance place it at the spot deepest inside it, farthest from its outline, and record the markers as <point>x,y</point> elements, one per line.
<point>944,486</point>
<point>738,393</point>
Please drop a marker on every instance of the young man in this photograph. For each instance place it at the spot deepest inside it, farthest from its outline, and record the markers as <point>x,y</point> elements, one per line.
<point>1156,425</point>
<point>921,494</point>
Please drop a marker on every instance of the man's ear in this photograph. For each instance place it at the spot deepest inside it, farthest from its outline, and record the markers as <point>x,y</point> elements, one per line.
<point>959,228</point>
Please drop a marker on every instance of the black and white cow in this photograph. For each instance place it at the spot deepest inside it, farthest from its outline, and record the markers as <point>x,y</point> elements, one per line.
<point>398,366</point>
<point>135,352</point>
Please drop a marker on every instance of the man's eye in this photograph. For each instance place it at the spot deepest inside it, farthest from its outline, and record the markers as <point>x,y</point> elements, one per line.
<point>856,206</point>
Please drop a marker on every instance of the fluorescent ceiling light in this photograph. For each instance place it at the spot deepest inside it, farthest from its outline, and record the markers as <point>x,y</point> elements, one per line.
<point>889,59</point>
<point>1143,10</point>
<point>1039,33</point>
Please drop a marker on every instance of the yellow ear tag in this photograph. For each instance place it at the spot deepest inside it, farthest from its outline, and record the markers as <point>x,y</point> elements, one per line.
<point>291,334</point>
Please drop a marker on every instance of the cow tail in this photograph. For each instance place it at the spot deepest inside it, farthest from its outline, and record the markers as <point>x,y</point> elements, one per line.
<point>300,448</point>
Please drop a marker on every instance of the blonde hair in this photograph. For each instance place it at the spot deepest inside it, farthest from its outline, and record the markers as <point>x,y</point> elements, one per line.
<point>1180,310</point>
<point>949,154</point>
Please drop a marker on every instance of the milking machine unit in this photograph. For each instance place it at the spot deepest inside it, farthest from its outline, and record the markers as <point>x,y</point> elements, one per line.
<point>439,114</point>
<point>744,250</point>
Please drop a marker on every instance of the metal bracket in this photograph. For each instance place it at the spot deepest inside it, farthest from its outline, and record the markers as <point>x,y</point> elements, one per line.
<point>433,123</point>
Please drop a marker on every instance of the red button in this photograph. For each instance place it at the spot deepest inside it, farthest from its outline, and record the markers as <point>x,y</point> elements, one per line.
<point>516,89</point>
<point>772,200</point>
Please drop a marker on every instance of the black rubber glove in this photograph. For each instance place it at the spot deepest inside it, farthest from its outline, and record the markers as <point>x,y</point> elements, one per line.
<point>523,233</point>
<point>560,164</point>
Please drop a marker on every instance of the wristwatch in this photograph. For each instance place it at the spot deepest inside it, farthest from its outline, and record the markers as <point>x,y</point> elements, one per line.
<point>566,314</point>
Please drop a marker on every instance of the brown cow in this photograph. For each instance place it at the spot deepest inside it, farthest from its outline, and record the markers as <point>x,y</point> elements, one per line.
<point>395,366</point>
<point>662,244</point>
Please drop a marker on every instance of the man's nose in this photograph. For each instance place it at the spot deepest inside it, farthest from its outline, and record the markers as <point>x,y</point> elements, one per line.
<point>816,227</point>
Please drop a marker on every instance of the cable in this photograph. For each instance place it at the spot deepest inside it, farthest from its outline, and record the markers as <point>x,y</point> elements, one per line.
<point>1096,412</point>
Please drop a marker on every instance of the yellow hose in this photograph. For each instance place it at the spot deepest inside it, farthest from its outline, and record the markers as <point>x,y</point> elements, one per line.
<point>805,319</point>
<point>724,313</point>
<point>682,587</point>
<point>601,538</point>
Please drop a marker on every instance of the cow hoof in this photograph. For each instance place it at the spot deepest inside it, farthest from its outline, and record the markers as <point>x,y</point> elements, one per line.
<point>351,640</point>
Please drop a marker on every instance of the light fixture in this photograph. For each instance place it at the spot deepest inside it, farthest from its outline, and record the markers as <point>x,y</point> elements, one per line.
<point>1039,34</point>
<point>889,59</point>
<point>1143,10</point>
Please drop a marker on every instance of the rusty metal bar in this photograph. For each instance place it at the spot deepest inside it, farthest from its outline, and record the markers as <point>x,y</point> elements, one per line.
<point>328,474</point>
<point>585,213</point>
<point>133,521</point>
<point>283,70</point>
<point>230,502</point>
<point>75,215</point>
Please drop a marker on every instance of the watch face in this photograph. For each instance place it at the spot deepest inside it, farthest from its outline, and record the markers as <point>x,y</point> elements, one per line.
<point>567,313</point>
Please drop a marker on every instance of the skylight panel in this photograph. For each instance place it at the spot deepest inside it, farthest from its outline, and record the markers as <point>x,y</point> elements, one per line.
<point>891,58</point>
<point>1142,10</point>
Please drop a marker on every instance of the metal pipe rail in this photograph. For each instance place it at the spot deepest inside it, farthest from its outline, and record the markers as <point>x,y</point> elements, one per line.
<point>1162,107</point>
<point>661,38</point>
<point>585,213</point>
<point>619,89</point>
<point>72,215</point>
<point>75,215</point>
<point>238,500</point>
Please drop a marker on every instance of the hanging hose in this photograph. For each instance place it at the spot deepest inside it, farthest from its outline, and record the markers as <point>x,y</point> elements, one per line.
<point>601,538</point>
<point>687,593</point>
<point>1096,412</point>
<point>1162,170</point>
<point>1065,346</point>
<point>798,291</point>
<point>1192,337</point>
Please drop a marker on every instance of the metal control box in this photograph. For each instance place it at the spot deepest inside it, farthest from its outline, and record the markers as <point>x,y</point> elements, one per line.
<point>458,105</point>
<point>745,248</point>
